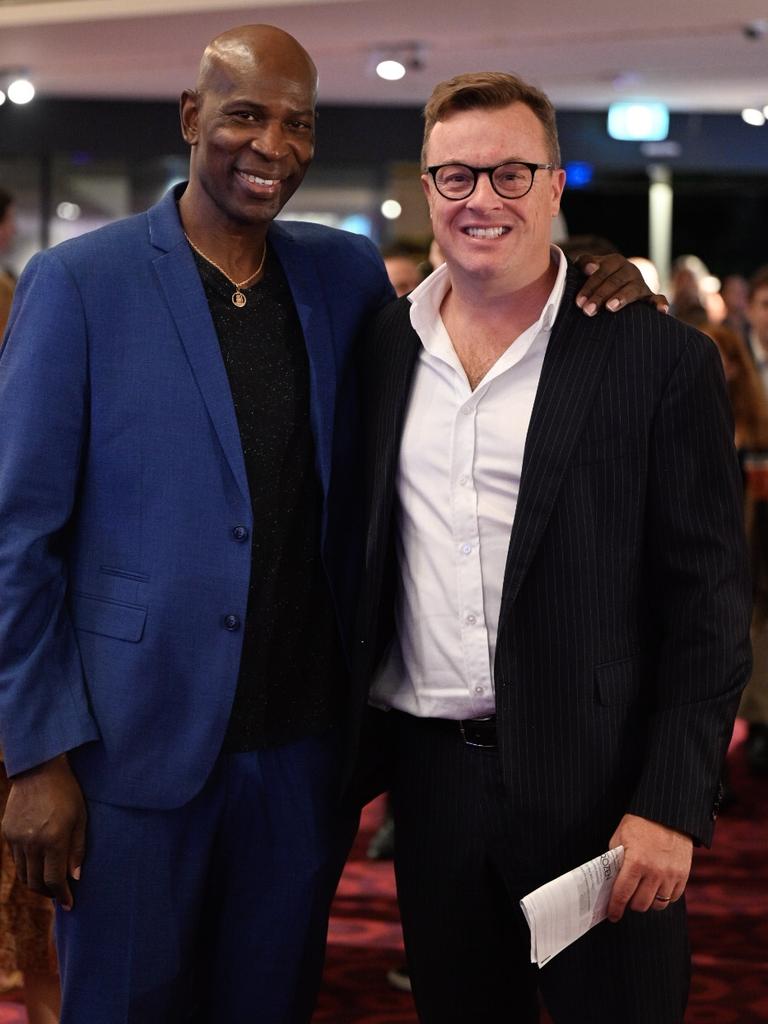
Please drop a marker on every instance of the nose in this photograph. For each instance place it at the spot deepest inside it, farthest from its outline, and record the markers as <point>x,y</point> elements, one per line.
<point>269,141</point>
<point>484,195</point>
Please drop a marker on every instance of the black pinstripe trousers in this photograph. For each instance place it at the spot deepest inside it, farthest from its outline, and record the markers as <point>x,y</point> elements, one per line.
<point>461,872</point>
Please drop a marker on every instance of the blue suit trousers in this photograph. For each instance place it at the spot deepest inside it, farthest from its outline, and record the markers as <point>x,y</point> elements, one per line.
<point>215,911</point>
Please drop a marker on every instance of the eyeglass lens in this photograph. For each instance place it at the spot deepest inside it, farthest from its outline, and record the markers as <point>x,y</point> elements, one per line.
<point>456,181</point>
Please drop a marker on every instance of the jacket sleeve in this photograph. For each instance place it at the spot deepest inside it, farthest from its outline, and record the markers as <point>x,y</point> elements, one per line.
<point>44,400</point>
<point>699,576</point>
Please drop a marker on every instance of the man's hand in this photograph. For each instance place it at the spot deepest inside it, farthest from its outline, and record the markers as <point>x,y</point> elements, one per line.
<point>613,282</point>
<point>44,825</point>
<point>657,862</point>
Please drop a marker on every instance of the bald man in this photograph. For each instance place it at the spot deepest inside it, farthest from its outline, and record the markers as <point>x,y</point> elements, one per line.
<point>177,563</point>
<point>176,568</point>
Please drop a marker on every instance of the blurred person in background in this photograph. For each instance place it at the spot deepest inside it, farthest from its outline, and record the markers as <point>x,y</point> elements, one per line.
<point>734,292</point>
<point>648,269</point>
<point>7,234</point>
<point>405,267</point>
<point>746,371</point>
<point>685,290</point>
<point>745,389</point>
<point>695,295</point>
<point>757,316</point>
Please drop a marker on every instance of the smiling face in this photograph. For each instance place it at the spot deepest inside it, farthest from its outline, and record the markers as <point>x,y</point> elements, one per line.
<point>251,126</point>
<point>486,238</point>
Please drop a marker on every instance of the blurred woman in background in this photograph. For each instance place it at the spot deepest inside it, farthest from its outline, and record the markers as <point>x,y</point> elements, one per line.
<point>750,412</point>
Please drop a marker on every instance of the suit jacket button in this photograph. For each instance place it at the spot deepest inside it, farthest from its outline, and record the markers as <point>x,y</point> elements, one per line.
<point>232,623</point>
<point>240,533</point>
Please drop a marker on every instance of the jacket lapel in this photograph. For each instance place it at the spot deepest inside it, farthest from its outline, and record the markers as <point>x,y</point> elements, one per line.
<point>576,354</point>
<point>388,376</point>
<point>311,305</point>
<point>183,290</point>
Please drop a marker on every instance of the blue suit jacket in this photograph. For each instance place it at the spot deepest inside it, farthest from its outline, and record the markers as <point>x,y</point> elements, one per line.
<point>121,482</point>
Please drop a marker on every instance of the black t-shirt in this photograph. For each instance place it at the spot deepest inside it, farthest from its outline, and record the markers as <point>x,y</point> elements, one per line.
<point>291,670</point>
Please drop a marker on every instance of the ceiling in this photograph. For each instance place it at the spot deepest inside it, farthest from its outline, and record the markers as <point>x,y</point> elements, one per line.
<point>692,54</point>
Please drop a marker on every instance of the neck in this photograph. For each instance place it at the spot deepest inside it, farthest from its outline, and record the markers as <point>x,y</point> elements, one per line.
<point>494,301</point>
<point>236,248</point>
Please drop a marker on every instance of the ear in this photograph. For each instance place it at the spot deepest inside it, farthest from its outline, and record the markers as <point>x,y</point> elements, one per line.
<point>558,184</point>
<point>426,184</point>
<point>189,111</point>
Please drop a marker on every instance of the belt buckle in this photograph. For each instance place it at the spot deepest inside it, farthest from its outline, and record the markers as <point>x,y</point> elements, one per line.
<point>477,742</point>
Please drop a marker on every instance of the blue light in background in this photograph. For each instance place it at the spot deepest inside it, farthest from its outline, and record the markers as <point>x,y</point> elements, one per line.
<point>578,174</point>
<point>638,122</point>
<point>359,224</point>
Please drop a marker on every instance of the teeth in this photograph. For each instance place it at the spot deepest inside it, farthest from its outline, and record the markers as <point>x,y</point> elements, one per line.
<point>486,232</point>
<point>259,181</point>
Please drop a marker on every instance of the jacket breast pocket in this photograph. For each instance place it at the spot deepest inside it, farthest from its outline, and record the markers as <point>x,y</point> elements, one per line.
<point>108,618</point>
<point>618,682</point>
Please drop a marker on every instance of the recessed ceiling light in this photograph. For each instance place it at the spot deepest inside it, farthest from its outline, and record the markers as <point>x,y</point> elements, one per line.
<point>21,91</point>
<point>753,116</point>
<point>391,70</point>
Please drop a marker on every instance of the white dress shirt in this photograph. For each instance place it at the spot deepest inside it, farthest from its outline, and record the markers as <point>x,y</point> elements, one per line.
<point>457,486</point>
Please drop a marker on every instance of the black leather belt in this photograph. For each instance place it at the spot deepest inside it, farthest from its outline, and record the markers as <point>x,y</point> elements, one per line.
<point>479,732</point>
<point>475,732</point>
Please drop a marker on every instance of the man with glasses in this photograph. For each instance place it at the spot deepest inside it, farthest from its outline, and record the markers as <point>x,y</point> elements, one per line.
<point>556,610</point>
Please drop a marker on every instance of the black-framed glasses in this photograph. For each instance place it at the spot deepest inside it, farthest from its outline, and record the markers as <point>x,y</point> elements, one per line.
<point>510,180</point>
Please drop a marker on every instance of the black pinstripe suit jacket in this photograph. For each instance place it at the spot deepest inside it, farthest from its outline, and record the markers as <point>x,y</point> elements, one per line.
<point>623,636</point>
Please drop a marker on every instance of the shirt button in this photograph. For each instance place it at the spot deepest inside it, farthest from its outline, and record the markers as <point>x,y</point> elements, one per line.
<point>470,620</point>
<point>468,410</point>
<point>479,689</point>
<point>463,480</point>
<point>466,549</point>
<point>232,623</point>
<point>240,533</point>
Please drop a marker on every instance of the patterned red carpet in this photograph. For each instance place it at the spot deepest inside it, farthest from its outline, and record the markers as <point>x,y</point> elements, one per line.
<point>727,899</point>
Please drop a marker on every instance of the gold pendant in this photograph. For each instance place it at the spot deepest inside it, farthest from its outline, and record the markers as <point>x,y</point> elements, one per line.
<point>238,299</point>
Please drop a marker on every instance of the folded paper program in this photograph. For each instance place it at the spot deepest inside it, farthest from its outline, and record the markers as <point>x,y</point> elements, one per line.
<point>562,910</point>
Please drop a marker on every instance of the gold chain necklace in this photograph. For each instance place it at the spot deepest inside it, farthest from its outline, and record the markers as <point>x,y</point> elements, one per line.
<point>238,299</point>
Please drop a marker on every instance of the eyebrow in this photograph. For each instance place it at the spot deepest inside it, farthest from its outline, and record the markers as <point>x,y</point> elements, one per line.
<point>506,160</point>
<point>254,105</point>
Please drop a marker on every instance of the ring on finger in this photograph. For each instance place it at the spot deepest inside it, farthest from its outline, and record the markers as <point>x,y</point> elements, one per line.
<point>663,899</point>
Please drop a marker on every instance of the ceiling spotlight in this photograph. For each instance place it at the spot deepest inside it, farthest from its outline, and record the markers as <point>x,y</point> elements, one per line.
<point>394,61</point>
<point>15,85</point>
<point>390,70</point>
<point>20,91</point>
<point>753,116</point>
